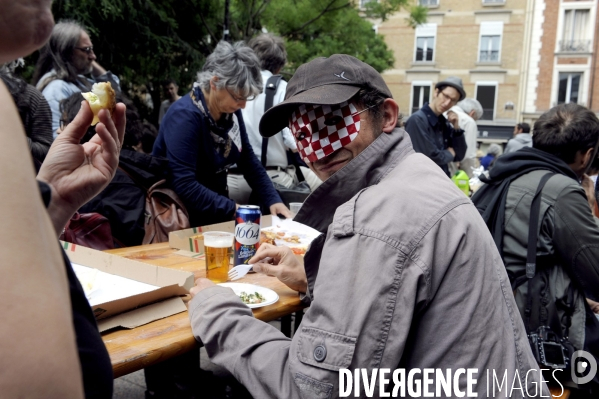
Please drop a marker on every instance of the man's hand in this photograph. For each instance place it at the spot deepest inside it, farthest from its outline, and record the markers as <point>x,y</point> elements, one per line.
<point>285,266</point>
<point>201,284</point>
<point>97,69</point>
<point>77,172</point>
<point>452,117</point>
<point>594,306</point>
<point>280,208</point>
<point>450,149</point>
<point>589,189</point>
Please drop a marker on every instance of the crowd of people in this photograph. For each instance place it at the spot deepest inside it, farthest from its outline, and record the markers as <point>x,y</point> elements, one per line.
<point>407,272</point>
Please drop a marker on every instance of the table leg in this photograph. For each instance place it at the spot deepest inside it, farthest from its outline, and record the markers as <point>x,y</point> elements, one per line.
<point>286,325</point>
<point>299,315</point>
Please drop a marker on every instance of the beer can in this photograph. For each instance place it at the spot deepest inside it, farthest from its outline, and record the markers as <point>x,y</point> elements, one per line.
<point>247,233</point>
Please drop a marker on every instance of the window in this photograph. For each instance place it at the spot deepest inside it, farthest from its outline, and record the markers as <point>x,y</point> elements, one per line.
<point>493,1</point>
<point>575,35</point>
<point>429,3</point>
<point>490,41</point>
<point>485,94</point>
<point>425,42</point>
<point>569,88</point>
<point>421,93</point>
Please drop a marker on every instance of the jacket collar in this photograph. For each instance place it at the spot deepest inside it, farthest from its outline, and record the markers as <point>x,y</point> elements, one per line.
<point>367,169</point>
<point>432,118</point>
<point>525,160</point>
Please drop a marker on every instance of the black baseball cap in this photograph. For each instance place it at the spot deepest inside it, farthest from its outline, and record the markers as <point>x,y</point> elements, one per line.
<point>325,81</point>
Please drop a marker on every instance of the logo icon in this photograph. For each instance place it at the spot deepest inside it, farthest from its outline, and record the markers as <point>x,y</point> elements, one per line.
<point>341,76</point>
<point>583,363</point>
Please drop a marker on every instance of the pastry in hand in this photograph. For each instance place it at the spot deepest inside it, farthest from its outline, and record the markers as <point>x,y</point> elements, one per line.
<point>102,96</point>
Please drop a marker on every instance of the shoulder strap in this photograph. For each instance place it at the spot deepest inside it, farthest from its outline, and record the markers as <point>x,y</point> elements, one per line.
<point>533,227</point>
<point>270,90</point>
<point>531,257</point>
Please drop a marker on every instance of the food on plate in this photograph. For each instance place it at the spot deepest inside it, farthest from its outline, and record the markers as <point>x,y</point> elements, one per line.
<point>299,250</point>
<point>102,96</point>
<point>250,299</point>
<point>291,240</point>
<point>267,237</point>
<point>270,237</point>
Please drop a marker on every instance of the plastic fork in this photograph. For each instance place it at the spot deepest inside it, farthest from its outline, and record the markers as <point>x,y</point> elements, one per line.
<point>241,270</point>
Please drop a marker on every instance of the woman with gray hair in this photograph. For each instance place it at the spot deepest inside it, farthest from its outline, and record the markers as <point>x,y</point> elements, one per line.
<point>493,153</point>
<point>203,134</point>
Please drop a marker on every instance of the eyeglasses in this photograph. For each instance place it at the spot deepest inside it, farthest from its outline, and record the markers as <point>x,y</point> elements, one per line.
<point>453,101</point>
<point>86,50</point>
<point>239,99</point>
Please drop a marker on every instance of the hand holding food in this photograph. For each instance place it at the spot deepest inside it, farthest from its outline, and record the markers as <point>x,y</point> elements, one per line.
<point>102,96</point>
<point>286,266</point>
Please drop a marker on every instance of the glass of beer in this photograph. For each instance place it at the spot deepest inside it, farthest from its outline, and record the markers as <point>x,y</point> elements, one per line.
<point>218,247</point>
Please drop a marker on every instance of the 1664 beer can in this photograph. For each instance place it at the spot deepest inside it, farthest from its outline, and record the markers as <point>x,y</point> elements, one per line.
<point>247,233</point>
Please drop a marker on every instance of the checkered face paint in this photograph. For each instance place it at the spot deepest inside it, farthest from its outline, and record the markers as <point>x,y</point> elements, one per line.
<point>320,130</point>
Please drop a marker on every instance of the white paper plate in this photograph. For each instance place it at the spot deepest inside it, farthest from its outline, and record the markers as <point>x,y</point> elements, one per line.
<point>270,296</point>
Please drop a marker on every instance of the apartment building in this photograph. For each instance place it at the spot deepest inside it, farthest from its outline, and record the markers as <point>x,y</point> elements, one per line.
<point>480,41</point>
<point>561,56</point>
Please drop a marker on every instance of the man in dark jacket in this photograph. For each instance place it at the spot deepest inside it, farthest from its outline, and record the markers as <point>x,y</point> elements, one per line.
<point>432,134</point>
<point>567,249</point>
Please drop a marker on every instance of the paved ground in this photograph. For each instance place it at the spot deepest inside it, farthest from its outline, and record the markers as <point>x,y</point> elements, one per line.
<point>133,386</point>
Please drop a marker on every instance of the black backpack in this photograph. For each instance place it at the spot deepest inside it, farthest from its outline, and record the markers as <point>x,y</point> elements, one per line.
<point>547,334</point>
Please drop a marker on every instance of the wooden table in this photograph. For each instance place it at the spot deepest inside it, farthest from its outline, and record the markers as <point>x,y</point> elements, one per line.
<point>132,350</point>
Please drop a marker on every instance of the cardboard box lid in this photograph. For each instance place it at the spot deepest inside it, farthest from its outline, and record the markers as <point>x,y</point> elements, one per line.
<point>144,315</point>
<point>173,283</point>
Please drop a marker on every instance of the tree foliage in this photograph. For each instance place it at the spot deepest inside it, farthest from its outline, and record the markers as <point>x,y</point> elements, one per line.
<point>147,41</point>
<point>383,8</point>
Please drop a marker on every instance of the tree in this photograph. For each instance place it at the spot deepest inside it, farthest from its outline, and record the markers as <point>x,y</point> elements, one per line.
<point>382,8</point>
<point>147,41</point>
<point>319,28</point>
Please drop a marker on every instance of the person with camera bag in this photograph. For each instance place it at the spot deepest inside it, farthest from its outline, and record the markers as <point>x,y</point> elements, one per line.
<point>538,205</point>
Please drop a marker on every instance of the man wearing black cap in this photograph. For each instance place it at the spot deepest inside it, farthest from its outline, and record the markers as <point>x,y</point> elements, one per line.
<point>432,134</point>
<point>405,274</point>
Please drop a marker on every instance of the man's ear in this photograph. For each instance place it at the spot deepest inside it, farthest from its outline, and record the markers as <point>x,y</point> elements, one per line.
<point>390,114</point>
<point>586,157</point>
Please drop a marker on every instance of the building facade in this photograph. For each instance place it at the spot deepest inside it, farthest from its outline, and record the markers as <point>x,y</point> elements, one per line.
<point>562,62</point>
<point>480,41</point>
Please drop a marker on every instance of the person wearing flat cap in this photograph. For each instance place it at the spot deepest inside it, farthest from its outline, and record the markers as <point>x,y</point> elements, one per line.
<point>439,138</point>
<point>404,274</point>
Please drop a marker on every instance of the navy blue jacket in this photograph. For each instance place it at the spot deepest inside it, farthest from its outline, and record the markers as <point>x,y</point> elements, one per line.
<point>432,135</point>
<point>197,172</point>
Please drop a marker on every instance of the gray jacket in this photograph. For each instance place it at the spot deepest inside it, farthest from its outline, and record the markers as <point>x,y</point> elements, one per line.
<point>568,232</point>
<point>521,140</point>
<point>406,275</point>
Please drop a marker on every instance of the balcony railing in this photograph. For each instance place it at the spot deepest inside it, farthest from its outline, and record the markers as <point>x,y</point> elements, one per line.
<point>487,114</point>
<point>489,56</point>
<point>575,46</point>
<point>429,3</point>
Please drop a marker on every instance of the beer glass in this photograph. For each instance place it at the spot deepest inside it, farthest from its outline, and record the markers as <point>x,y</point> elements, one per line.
<point>218,246</point>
